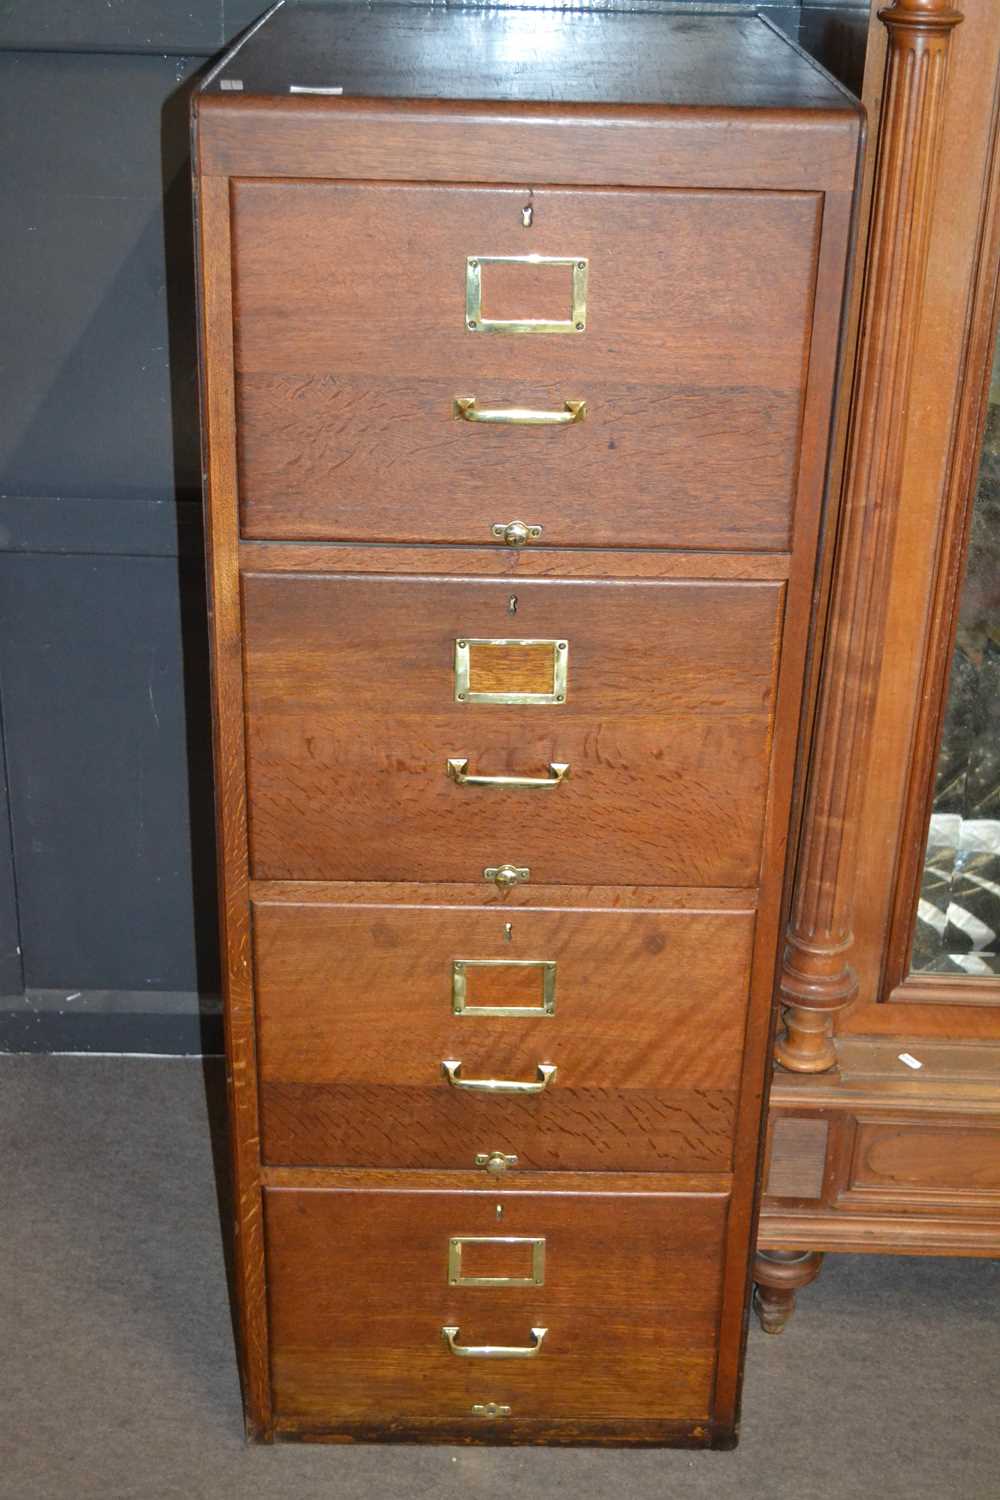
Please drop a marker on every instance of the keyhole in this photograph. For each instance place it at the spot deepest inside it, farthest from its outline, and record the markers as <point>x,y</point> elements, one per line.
<point>508,932</point>
<point>527,214</point>
<point>512,605</point>
<point>499,1210</point>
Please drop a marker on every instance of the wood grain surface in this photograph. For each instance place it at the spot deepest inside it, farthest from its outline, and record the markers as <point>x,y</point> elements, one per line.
<point>666,728</point>
<point>912,1159</point>
<point>358,1291</point>
<point>483,142</point>
<point>927,1163</point>
<point>355,1017</point>
<point>693,368</point>
<point>536,561</point>
<point>487,896</point>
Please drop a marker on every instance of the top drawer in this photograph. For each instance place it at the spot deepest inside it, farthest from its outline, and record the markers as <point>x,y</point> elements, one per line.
<point>353,347</point>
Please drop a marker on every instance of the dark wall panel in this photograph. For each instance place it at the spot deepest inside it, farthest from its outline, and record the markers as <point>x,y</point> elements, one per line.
<point>125,25</point>
<point>87,525</point>
<point>103,659</point>
<point>91,406</point>
<point>108,754</point>
<point>11,975</point>
<point>202,25</point>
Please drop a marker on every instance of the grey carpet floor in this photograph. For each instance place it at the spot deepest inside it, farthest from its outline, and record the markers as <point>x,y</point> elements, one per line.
<point>117,1375</point>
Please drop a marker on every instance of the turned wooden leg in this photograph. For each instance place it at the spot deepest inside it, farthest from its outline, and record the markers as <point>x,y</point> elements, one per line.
<point>779,1274</point>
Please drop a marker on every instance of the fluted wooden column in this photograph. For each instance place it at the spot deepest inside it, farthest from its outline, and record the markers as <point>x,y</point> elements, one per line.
<point>817,977</point>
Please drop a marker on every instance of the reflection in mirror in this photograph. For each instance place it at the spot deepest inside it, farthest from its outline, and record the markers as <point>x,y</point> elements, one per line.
<point>958,914</point>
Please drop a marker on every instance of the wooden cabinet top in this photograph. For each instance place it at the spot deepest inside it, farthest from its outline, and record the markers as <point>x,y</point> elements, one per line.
<point>721,61</point>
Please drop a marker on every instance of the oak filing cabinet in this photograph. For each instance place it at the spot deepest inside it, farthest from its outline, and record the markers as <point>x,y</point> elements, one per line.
<point>519,341</point>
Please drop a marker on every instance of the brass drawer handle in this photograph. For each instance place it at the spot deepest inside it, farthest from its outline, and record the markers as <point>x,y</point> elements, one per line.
<point>494,1351</point>
<point>458,770</point>
<point>546,1075</point>
<point>519,416</point>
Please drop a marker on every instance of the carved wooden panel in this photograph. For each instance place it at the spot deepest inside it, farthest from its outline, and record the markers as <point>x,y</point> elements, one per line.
<point>927,1164</point>
<point>912,1161</point>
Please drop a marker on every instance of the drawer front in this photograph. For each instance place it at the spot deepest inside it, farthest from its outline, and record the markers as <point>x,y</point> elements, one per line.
<point>641,1013</point>
<point>353,721</point>
<point>353,346</point>
<point>623,1294</point>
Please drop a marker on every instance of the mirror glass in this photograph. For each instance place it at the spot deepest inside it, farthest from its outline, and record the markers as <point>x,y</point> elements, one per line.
<point>958,914</point>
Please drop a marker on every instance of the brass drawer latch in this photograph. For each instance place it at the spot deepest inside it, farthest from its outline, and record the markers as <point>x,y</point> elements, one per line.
<point>495,1162</point>
<point>505,877</point>
<point>515,533</point>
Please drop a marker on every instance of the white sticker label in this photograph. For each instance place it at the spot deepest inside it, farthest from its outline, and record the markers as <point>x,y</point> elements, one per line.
<point>910,1060</point>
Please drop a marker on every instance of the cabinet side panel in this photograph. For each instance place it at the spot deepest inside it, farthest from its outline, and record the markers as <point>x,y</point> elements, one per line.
<point>218,420</point>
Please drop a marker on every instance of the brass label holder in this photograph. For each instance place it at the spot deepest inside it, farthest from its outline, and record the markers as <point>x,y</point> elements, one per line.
<point>460,987</point>
<point>475,322</point>
<point>457,1277</point>
<point>464,693</point>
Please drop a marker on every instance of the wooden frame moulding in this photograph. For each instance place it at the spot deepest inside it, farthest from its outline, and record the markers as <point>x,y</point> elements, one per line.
<point>942,443</point>
<point>900,985</point>
<point>818,978</point>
